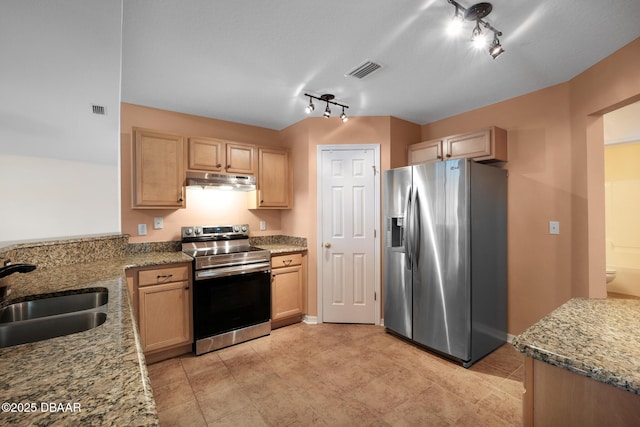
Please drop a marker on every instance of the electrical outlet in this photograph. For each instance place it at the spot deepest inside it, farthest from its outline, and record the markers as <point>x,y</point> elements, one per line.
<point>554,227</point>
<point>142,229</point>
<point>263,225</point>
<point>158,222</point>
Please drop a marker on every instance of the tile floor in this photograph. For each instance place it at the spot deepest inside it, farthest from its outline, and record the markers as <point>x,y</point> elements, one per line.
<point>336,375</point>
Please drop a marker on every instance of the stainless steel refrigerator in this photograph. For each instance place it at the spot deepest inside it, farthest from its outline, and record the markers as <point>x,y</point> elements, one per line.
<point>445,257</point>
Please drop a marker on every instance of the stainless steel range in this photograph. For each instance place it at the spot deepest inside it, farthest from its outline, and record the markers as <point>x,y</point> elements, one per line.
<point>231,287</point>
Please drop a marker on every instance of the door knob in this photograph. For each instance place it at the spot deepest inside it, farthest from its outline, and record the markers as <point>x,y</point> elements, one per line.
<point>327,245</point>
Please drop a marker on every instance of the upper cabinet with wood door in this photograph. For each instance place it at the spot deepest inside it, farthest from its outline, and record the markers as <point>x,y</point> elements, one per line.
<point>158,170</point>
<point>488,144</point>
<point>217,155</point>
<point>275,183</point>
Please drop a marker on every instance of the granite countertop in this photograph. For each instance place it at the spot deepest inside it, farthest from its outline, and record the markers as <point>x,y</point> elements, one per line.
<point>279,244</point>
<point>99,376</point>
<point>597,338</point>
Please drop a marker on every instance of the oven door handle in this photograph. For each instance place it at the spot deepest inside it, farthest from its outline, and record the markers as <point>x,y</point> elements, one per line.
<point>233,271</point>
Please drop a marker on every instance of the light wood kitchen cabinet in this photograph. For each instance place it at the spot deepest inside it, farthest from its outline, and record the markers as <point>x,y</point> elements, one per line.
<point>426,151</point>
<point>217,155</point>
<point>240,158</point>
<point>287,289</point>
<point>488,144</point>
<point>163,308</point>
<point>206,154</point>
<point>159,172</point>
<point>557,397</point>
<point>275,184</point>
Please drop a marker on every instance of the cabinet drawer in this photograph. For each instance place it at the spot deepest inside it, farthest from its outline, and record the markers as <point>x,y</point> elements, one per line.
<point>286,260</point>
<point>163,275</point>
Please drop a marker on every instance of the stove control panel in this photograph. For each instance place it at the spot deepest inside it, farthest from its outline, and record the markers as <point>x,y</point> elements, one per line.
<point>216,232</point>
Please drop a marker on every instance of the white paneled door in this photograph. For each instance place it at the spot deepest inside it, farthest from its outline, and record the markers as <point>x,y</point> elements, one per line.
<point>348,235</point>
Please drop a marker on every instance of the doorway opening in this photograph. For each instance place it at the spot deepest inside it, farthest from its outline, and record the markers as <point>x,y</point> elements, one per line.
<point>622,200</point>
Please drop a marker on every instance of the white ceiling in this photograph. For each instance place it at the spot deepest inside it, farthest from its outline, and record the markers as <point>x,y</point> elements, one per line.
<point>251,61</point>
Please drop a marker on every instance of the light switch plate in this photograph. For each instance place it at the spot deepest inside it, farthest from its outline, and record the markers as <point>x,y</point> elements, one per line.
<point>554,227</point>
<point>142,229</point>
<point>158,222</point>
<point>263,225</point>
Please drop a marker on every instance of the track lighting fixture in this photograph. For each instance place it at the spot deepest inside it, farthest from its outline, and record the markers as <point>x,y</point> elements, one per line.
<point>309,109</point>
<point>476,13</point>
<point>328,98</point>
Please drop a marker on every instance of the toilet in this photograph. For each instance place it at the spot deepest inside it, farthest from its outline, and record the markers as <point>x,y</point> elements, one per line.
<point>611,275</point>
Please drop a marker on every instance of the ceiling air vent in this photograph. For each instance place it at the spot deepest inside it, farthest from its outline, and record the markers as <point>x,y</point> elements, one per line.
<point>99,109</point>
<point>364,70</point>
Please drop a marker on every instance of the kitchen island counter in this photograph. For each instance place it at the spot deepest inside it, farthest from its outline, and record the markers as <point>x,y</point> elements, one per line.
<point>96,377</point>
<point>597,338</point>
<point>583,365</point>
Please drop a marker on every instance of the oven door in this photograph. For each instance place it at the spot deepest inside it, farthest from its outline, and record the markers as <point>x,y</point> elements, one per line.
<point>223,304</point>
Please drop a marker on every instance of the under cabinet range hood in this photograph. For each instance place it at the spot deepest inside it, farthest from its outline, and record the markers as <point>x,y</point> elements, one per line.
<point>221,181</point>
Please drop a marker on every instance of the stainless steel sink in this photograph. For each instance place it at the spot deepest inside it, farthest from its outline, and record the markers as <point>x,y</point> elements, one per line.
<point>51,306</point>
<point>53,316</point>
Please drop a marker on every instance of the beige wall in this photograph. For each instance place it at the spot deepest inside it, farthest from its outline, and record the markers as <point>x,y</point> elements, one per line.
<point>203,207</point>
<point>556,172</point>
<point>622,205</point>
<point>304,138</point>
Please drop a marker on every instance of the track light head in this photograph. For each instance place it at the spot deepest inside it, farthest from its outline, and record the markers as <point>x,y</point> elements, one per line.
<point>327,112</point>
<point>343,116</point>
<point>478,37</point>
<point>455,26</point>
<point>495,49</point>
<point>309,108</point>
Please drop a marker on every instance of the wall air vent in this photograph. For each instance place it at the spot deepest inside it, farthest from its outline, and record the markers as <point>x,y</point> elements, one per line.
<point>99,109</point>
<point>364,70</point>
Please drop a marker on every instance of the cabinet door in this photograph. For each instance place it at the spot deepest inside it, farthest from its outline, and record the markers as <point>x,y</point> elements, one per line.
<point>165,315</point>
<point>159,170</point>
<point>474,144</point>
<point>274,179</point>
<point>206,154</point>
<point>422,152</point>
<point>286,292</point>
<point>240,158</point>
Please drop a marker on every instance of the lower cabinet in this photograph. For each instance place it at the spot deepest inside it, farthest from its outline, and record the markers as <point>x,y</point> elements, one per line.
<point>287,289</point>
<point>557,397</point>
<point>162,303</point>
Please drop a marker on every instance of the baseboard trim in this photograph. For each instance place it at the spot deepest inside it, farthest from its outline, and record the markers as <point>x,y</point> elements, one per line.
<point>310,320</point>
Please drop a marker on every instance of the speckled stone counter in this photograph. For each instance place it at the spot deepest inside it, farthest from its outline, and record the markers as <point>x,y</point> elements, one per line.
<point>597,338</point>
<point>280,244</point>
<point>101,371</point>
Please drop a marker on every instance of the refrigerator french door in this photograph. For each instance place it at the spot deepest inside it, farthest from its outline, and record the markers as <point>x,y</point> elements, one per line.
<point>445,257</point>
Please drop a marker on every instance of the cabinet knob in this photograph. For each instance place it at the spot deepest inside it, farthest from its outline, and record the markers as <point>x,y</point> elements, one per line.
<point>439,157</point>
<point>448,155</point>
<point>228,166</point>
<point>327,245</point>
<point>219,165</point>
<point>186,288</point>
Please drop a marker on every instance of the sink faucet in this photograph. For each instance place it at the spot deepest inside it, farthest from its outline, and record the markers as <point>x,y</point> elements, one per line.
<point>9,268</point>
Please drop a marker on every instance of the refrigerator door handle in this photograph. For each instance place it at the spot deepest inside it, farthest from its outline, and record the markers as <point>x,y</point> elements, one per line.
<point>407,232</point>
<point>415,228</point>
